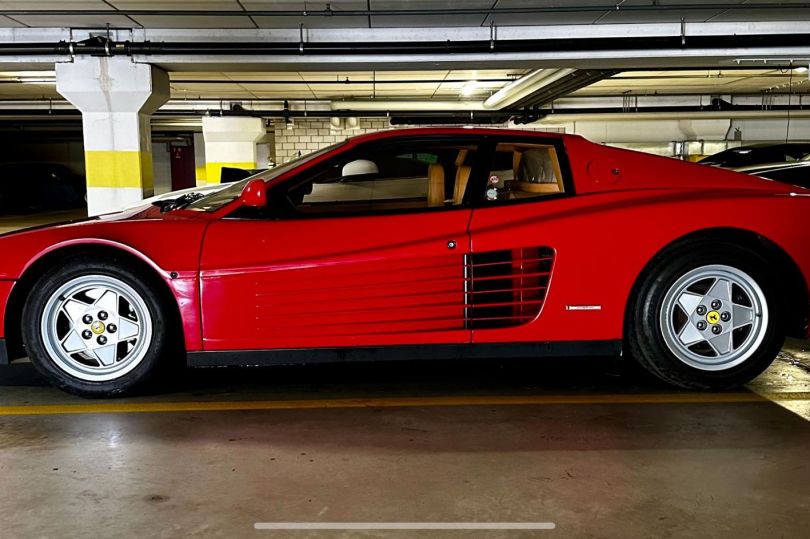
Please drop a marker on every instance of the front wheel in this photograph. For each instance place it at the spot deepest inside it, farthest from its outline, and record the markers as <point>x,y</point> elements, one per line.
<point>95,328</point>
<point>707,317</point>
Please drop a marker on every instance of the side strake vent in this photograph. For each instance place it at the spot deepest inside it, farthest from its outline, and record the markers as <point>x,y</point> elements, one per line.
<point>506,288</point>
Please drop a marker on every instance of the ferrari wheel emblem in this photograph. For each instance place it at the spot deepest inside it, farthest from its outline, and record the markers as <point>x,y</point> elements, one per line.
<point>97,327</point>
<point>713,317</point>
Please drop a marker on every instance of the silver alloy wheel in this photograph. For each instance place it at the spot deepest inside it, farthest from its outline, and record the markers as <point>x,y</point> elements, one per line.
<point>714,317</point>
<point>96,328</point>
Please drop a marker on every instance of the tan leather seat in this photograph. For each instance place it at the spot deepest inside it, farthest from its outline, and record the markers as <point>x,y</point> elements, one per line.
<point>435,191</point>
<point>462,178</point>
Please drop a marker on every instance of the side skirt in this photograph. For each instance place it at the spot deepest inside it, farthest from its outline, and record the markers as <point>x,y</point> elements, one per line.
<point>299,356</point>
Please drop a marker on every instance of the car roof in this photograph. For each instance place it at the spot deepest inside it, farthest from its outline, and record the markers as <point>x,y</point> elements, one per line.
<point>431,131</point>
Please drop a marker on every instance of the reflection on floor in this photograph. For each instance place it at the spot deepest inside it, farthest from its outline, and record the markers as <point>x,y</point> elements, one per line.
<point>10,223</point>
<point>612,465</point>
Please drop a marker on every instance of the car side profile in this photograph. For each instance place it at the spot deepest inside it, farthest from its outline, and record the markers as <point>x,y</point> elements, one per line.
<point>430,243</point>
<point>759,154</point>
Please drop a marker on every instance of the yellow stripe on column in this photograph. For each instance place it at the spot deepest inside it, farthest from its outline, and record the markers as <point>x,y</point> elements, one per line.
<point>213,171</point>
<point>114,168</point>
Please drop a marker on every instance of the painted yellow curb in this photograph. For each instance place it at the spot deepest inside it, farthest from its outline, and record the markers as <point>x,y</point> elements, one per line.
<point>398,402</point>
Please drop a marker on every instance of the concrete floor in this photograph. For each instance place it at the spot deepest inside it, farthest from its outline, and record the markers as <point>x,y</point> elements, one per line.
<point>598,450</point>
<point>10,223</point>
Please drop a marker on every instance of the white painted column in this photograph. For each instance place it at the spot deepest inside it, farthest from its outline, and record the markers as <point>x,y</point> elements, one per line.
<point>230,142</point>
<point>116,98</point>
<point>199,159</point>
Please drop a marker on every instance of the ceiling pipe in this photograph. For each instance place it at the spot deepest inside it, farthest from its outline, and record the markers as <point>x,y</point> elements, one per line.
<point>100,46</point>
<point>525,86</point>
<point>384,105</point>
<point>329,12</point>
<point>564,86</point>
<point>502,99</point>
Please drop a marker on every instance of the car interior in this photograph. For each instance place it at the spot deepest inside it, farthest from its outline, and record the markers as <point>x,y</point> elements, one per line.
<point>524,171</point>
<point>393,179</point>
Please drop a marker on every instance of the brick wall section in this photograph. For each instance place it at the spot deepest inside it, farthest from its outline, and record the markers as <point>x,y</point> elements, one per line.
<point>306,135</point>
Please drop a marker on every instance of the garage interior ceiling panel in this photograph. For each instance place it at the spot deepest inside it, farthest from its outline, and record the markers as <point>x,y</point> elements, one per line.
<point>548,12</point>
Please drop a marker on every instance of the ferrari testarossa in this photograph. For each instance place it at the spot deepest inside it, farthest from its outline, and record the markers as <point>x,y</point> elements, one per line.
<point>423,243</point>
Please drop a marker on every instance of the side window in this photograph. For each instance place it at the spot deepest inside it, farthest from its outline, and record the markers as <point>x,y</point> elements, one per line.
<point>385,178</point>
<point>524,171</point>
<point>796,153</point>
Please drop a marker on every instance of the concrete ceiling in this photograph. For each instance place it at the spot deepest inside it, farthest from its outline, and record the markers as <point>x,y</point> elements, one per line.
<point>320,85</point>
<point>446,85</point>
<point>705,81</point>
<point>241,13</point>
<point>447,77</point>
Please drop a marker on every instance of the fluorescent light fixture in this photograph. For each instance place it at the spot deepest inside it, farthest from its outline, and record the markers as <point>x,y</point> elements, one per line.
<point>802,69</point>
<point>469,88</point>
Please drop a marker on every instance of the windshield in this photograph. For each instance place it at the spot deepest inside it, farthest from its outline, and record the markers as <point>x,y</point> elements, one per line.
<point>227,195</point>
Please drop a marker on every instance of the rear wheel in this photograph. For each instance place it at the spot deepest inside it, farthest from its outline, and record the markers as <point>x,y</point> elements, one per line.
<point>707,317</point>
<point>95,328</point>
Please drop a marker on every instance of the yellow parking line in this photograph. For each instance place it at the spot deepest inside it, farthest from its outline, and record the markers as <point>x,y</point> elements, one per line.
<point>396,402</point>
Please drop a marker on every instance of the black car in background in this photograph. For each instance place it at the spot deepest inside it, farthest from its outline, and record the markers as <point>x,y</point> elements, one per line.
<point>36,187</point>
<point>797,173</point>
<point>758,154</point>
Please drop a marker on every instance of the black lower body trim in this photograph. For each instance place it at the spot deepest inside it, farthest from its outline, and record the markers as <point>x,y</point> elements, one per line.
<point>297,356</point>
<point>3,352</point>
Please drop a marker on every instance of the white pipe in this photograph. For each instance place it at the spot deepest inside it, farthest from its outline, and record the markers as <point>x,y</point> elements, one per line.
<point>509,94</point>
<point>524,86</point>
<point>397,106</point>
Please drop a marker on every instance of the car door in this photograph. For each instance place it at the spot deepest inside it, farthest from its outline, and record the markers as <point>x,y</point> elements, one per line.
<point>371,255</point>
<point>522,225</point>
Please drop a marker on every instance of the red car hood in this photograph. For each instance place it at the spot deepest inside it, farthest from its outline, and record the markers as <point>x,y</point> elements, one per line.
<point>169,241</point>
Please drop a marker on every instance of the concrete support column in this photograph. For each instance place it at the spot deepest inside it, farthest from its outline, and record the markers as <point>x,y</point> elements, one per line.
<point>199,159</point>
<point>230,142</point>
<point>116,98</point>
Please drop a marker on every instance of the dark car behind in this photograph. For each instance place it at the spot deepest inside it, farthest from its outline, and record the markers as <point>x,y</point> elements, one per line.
<point>35,187</point>
<point>758,154</point>
<point>792,173</point>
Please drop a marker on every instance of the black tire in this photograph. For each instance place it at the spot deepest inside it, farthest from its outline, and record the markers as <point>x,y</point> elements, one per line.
<point>160,345</point>
<point>644,335</point>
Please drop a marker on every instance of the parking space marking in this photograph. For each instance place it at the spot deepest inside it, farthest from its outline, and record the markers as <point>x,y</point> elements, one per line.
<point>399,402</point>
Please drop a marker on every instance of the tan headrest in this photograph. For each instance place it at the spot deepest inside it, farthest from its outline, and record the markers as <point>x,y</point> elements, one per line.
<point>435,185</point>
<point>462,178</point>
<point>462,156</point>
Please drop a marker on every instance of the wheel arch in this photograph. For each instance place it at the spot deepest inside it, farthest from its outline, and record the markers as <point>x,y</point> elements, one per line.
<point>39,265</point>
<point>794,288</point>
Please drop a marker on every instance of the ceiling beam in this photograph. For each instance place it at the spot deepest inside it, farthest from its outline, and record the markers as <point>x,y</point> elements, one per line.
<point>600,46</point>
<point>329,12</point>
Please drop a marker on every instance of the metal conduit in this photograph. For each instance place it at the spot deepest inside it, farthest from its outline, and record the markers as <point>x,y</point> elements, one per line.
<point>100,46</point>
<point>328,12</point>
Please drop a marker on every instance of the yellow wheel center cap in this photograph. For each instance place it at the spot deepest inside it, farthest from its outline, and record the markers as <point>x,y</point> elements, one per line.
<point>97,328</point>
<point>713,317</point>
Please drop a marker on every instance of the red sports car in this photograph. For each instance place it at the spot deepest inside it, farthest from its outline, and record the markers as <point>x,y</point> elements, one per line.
<point>436,243</point>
